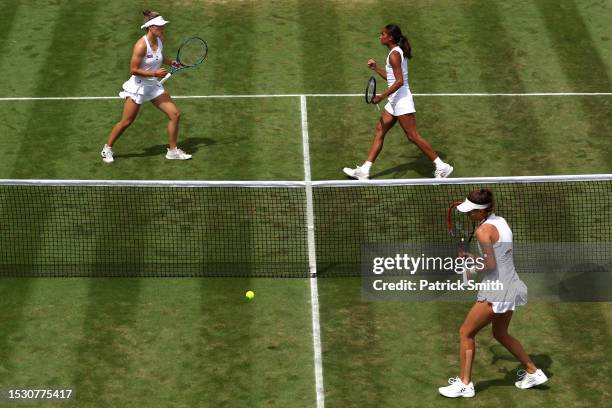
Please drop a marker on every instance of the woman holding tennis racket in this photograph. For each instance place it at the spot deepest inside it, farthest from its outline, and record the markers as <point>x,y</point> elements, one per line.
<point>492,306</point>
<point>143,86</point>
<point>400,106</point>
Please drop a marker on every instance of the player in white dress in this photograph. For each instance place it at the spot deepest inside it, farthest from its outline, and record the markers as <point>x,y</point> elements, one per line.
<point>493,306</point>
<point>400,106</point>
<point>143,86</point>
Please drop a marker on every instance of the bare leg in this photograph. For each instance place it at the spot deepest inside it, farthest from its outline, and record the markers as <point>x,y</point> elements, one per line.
<point>500,332</point>
<point>385,123</point>
<point>408,123</point>
<point>130,110</point>
<point>166,105</point>
<point>478,317</point>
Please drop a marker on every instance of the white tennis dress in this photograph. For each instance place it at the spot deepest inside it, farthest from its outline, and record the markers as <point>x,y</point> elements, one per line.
<point>400,102</point>
<point>514,291</point>
<point>142,89</point>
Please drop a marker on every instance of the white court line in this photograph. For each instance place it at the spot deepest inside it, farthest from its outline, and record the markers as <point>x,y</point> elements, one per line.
<point>93,98</point>
<point>312,260</point>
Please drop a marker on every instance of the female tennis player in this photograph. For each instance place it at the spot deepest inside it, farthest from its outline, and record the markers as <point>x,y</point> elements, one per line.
<point>400,106</point>
<point>494,306</point>
<point>143,86</point>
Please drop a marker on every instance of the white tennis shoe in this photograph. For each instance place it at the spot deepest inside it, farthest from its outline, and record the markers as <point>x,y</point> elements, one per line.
<point>457,388</point>
<point>356,173</point>
<point>107,154</point>
<point>177,154</point>
<point>527,380</point>
<point>443,171</point>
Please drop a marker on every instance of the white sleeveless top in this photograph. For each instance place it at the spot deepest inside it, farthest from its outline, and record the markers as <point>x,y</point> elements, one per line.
<point>514,290</point>
<point>405,89</point>
<point>152,60</point>
<point>505,233</point>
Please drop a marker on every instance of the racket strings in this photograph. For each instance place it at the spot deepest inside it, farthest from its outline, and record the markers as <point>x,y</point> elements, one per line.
<point>462,224</point>
<point>192,52</point>
<point>371,87</point>
<point>370,90</point>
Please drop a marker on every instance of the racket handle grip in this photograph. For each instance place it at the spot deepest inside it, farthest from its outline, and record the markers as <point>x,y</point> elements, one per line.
<point>164,79</point>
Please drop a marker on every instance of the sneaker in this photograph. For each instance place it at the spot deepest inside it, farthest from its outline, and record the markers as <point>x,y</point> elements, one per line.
<point>443,171</point>
<point>356,173</point>
<point>107,154</point>
<point>177,154</point>
<point>527,380</point>
<point>457,389</point>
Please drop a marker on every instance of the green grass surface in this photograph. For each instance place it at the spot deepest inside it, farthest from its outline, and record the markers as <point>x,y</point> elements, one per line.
<point>311,47</point>
<point>225,136</point>
<point>396,354</point>
<point>184,342</point>
<point>492,136</point>
<point>160,342</point>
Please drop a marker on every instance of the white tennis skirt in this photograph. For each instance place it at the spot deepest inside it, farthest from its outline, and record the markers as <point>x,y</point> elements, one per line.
<point>141,90</point>
<point>400,103</point>
<point>514,296</point>
<point>503,307</point>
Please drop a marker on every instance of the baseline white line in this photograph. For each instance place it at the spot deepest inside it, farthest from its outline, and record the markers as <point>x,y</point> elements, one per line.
<point>312,260</point>
<point>93,98</point>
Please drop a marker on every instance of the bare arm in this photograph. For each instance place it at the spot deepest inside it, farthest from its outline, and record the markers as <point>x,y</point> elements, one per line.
<point>140,49</point>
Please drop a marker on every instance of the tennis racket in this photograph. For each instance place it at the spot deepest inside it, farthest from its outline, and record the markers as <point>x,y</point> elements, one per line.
<point>370,91</point>
<point>191,53</point>
<point>461,230</point>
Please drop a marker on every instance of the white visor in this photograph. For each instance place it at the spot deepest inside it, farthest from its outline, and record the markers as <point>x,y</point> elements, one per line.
<point>157,21</point>
<point>468,206</point>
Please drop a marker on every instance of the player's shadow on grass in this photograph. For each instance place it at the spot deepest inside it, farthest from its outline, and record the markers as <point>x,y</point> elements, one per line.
<point>191,146</point>
<point>419,164</point>
<point>542,361</point>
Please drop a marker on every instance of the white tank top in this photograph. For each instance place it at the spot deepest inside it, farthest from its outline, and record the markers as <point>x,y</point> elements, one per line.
<point>152,60</point>
<point>503,247</point>
<point>505,271</point>
<point>391,76</point>
<point>505,233</point>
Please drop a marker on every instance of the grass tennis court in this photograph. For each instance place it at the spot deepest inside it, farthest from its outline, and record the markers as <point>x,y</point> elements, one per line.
<point>187,342</point>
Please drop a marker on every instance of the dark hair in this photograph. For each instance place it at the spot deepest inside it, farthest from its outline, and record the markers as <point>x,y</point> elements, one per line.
<point>396,33</point>
<point>482,196</point>
<point>149,15</point>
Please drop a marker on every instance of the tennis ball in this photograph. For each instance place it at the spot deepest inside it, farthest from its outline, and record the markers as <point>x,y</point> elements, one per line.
<point>250,295</point>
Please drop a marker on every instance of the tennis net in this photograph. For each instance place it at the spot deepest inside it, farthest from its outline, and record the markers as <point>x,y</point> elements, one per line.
<point>259,229</point>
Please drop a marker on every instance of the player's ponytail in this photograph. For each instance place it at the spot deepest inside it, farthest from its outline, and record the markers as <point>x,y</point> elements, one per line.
<point>396,33</point>
<point>405,46</point>
<point>150,15</point>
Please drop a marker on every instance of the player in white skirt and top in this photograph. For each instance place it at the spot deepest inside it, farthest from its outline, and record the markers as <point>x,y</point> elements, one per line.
<point>143,86</point>
<point>400,106</point>
<point>492,306</point>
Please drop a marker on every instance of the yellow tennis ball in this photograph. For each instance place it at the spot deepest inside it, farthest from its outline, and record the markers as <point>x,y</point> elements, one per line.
<point>250,295</point>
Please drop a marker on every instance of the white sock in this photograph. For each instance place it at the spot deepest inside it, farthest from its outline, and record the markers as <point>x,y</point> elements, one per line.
<point>438,162</point>
<point>366,166</point>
